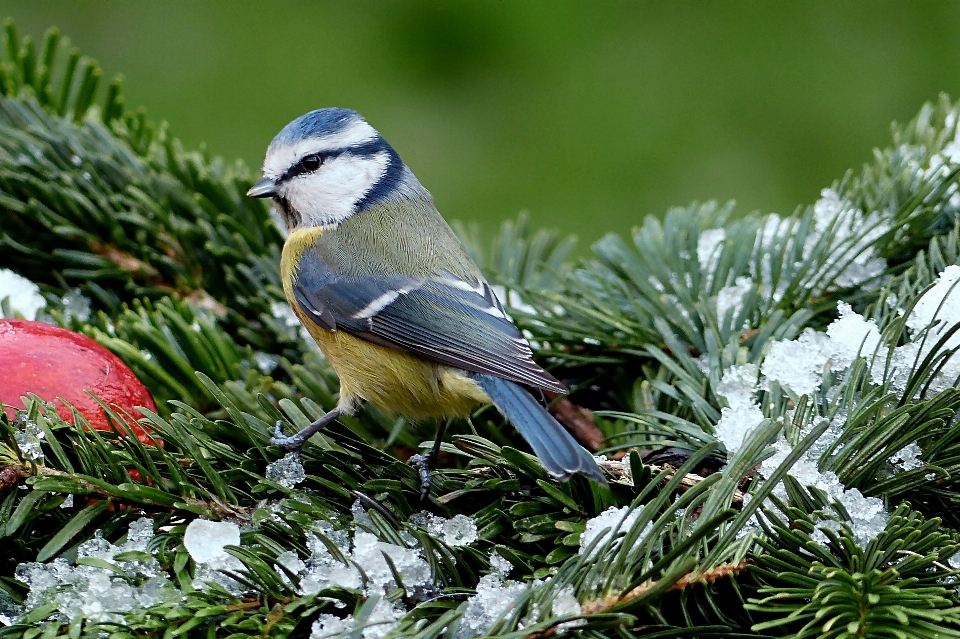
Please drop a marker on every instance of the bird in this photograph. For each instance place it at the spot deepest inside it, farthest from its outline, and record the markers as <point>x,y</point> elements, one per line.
<point>391,296</point>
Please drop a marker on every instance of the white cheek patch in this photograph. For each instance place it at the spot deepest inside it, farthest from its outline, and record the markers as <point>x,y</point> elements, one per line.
<point>328,195</point>
<point>281,158</point>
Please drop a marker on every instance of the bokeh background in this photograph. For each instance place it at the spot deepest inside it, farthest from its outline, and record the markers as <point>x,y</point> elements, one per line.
<point>589,115</point>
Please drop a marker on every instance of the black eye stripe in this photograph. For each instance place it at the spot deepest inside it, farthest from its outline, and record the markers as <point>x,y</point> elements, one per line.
<point>307,164</point>
<point>366,149</point>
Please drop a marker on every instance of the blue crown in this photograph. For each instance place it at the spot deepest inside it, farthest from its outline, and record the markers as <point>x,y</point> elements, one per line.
<point>316,123</point>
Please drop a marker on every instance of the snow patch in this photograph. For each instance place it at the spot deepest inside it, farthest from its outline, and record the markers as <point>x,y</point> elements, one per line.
<point>21,294</point>
<point>603,526</point>
<point>100,594</point>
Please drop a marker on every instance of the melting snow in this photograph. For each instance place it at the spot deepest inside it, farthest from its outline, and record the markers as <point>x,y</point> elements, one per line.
<point>738,386</point>
<point>613,518</point>
<point>204,540</point>
<point>868,517</point>
<point>493,599</point>
<point>99,594</point>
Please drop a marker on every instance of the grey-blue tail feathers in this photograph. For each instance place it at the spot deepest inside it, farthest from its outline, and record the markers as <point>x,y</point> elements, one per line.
<point>557,450</point>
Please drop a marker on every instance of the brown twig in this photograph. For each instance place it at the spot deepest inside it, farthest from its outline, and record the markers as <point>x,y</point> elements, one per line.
<point>577,420</point>
<point>620,468</point>
<point>12,474</point>
<point>690,579</point>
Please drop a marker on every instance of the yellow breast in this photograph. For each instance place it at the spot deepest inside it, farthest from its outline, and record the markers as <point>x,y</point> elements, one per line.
<point>391,379</point>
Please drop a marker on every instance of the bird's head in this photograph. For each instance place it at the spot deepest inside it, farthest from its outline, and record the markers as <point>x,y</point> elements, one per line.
<point>327,165</point>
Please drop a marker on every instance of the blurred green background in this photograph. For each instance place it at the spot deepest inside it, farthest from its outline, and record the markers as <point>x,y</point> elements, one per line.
<point>589,115</point>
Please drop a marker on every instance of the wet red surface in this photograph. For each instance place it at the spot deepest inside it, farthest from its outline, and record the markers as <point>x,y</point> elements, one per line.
<point>55,363</point>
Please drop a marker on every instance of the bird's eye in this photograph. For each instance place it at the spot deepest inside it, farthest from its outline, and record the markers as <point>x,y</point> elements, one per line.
<point>311,163</point>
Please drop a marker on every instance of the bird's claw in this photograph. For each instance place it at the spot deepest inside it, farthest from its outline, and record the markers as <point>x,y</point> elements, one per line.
<point>289,443</point>
<point>422,464</point>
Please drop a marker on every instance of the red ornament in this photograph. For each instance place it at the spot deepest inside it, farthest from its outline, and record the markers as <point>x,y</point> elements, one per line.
<point>55,363</point>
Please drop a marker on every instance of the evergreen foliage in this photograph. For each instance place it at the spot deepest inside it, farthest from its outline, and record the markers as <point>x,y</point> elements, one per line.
<point>815,525</point>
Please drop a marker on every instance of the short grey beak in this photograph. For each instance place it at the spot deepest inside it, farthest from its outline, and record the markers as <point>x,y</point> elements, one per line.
<point>264,188</point>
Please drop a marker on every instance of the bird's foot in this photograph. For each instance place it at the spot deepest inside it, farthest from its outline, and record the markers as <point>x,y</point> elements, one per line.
<point>295,442</point>
<point>424,465</point>
<point>289,443</point>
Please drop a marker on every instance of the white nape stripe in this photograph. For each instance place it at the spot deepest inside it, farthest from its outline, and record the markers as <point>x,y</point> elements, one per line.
<point>281,158</point>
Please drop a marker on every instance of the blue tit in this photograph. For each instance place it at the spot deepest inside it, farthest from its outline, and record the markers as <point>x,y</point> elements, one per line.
<point>391,296</point>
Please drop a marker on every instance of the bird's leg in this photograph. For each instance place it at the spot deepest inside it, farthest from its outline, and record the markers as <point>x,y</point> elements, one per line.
<point>291,443</point>
<point>426,463</point>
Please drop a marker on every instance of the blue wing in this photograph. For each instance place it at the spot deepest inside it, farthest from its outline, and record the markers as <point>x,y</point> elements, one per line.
<point>441,318</point>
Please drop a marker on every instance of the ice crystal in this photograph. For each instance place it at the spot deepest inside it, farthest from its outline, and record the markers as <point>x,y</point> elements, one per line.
<point>292,562</point>
<point>854,235</point>
<point>867,515</point>
<point>29,438</point>
<point>735,424</point>
<point>500,565</point>
<point>287,471</point>
<point>738,384</point>
<point>933,316</point>
<point>459,530</point>
<point>204,540</point>
<point>382,620</point>
<point>709,246</point>
<point>327,626</point>
<point>494,597</point>
<point>360,515</point>
<point>840,232</point>
<point>368,553</point>
<point>99,594</point>
<point>907,458</point>
<point>9,610</point>
<point>323,569</point>
<point>851,336</point>
<point>799,364</point>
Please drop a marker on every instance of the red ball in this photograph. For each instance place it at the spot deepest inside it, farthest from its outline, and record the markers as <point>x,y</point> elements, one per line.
<point>55,363</point>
